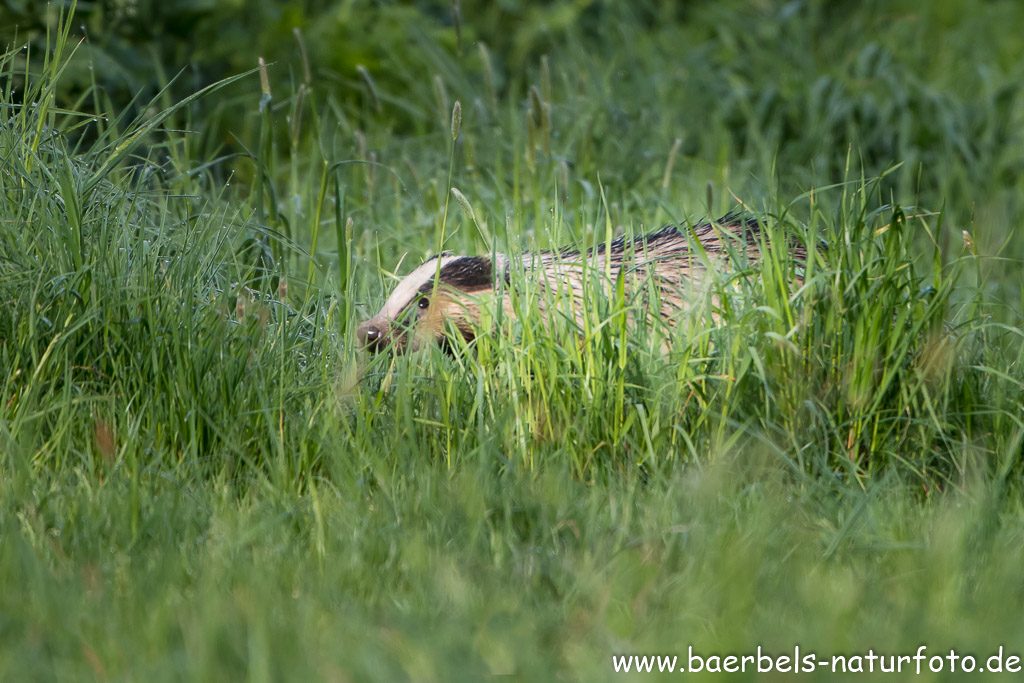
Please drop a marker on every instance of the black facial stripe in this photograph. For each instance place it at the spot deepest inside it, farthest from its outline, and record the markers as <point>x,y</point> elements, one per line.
<point>446,252</point>
<point>467,273</point>
<point>472,272</point>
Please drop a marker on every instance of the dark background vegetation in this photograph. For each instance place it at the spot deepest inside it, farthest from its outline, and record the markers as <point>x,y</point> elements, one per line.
<point>782,95</point>
<point>801,81</point>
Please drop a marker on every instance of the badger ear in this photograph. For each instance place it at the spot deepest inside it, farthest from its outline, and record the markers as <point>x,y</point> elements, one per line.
<point>503,267</point>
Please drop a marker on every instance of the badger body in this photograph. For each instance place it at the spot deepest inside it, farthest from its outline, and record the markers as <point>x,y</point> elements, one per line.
<point>448,292</point>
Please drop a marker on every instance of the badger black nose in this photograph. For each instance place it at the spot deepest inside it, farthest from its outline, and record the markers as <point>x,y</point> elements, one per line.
<point>369,336</point>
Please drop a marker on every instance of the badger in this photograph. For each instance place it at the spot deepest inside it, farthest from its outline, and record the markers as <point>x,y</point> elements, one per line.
<point>446,294</point>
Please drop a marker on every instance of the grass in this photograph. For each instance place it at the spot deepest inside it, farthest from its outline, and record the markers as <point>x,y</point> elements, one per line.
<point>201,478</point>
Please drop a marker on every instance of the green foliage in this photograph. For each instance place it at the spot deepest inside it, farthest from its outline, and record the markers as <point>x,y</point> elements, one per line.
<point>130,311</point>
<point>201,477</point>
<point>776,88</point>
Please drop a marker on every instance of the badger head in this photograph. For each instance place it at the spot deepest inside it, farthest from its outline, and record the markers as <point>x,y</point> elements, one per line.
<point>418,313</point>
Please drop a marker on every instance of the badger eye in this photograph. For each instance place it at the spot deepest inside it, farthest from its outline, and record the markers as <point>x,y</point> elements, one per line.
<point>423,303</point>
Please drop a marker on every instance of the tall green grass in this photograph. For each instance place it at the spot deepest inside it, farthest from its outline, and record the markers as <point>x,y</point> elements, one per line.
<point>201,477</point>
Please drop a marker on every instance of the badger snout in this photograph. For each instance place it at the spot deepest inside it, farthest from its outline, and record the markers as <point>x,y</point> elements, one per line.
<point>372,335</point>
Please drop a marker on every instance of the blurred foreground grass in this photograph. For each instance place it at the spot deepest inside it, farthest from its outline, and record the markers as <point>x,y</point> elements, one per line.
<point>463,574</point>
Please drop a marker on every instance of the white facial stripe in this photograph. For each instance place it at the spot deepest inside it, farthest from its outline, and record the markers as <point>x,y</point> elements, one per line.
<point>410,286</point>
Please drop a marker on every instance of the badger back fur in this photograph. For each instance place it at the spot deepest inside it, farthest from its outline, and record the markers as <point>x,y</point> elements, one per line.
<point>447,291</point>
